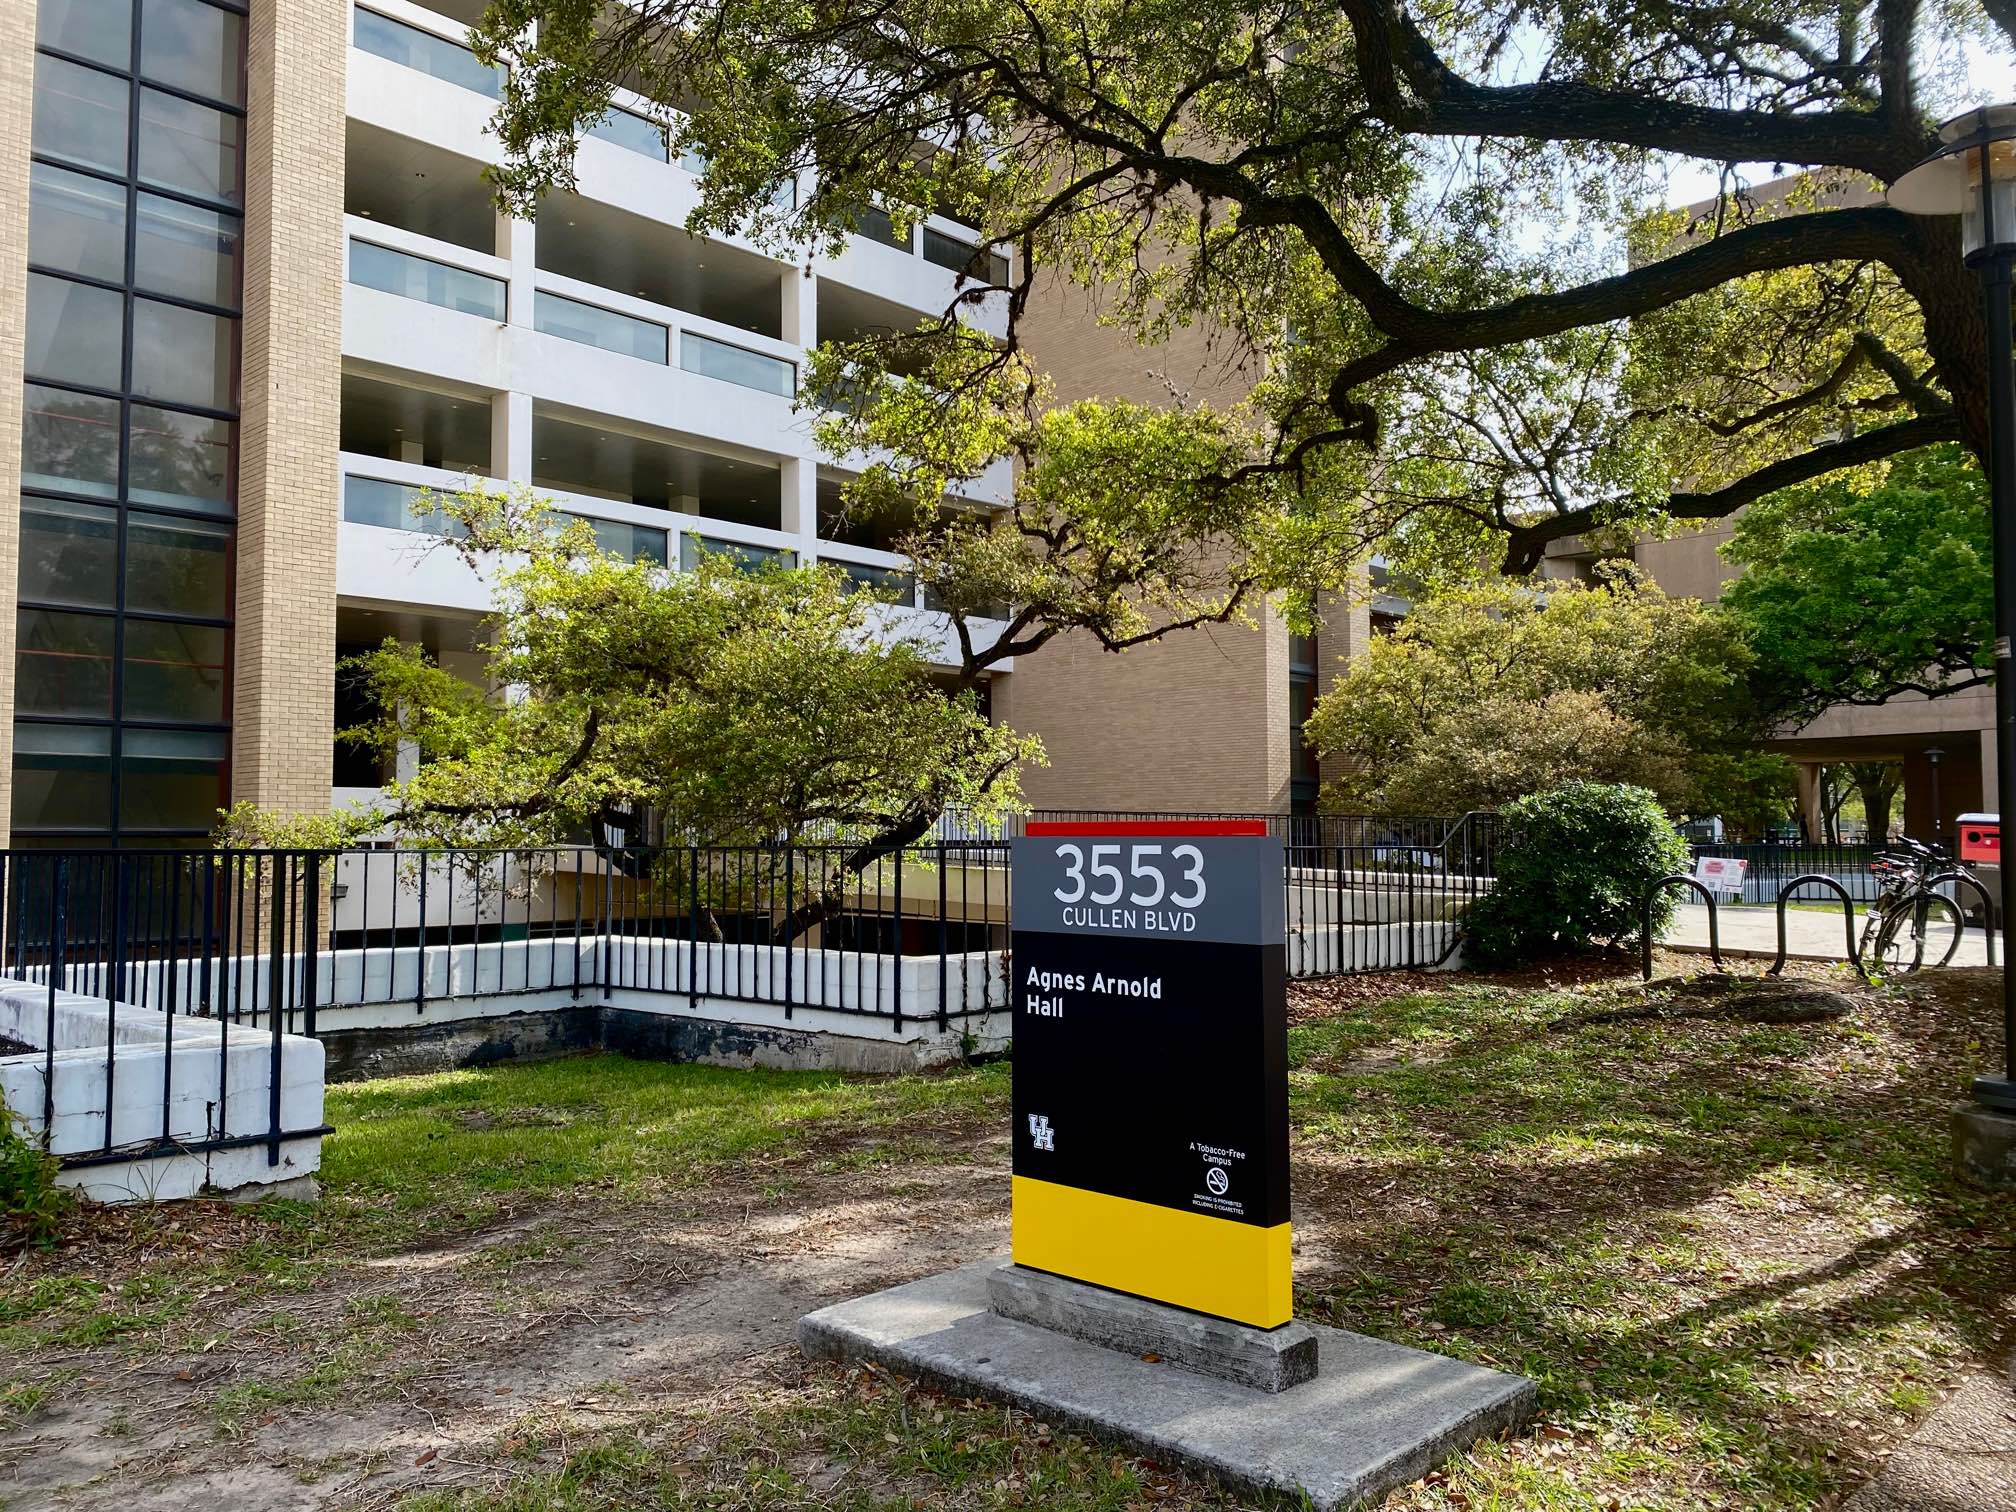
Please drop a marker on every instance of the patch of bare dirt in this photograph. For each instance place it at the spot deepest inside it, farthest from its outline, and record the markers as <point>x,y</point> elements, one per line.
<point>375,1383</point>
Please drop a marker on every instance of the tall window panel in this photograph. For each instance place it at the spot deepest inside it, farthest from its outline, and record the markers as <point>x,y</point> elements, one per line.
<point>130,421</point>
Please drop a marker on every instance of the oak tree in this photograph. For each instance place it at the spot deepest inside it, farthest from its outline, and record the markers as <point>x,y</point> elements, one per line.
<point>1439,230</point>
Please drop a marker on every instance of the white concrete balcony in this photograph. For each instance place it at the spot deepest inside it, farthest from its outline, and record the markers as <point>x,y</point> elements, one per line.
<point>423,306</point>
<point>390,554</point>
<point>411,73</point>
<point>416,304</point>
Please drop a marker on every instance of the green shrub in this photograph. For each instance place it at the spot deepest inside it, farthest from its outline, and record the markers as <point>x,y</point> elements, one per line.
<point>32,1205</point>
<point>1573,866</point>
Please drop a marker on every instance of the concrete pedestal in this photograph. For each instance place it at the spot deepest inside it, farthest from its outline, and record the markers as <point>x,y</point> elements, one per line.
<point>1267,1359</point>
<point>1984,1145</point>
<point>1374,1417</point>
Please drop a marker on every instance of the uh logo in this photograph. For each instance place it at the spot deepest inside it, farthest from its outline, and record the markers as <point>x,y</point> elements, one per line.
<point>1040,1132</point>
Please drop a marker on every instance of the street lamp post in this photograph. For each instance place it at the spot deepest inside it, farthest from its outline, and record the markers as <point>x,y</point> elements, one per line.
<point>1973,175</point>
<point>1932,756</point>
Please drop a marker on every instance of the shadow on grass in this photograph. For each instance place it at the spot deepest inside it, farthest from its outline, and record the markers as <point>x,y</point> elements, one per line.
<point>1712,1243</point>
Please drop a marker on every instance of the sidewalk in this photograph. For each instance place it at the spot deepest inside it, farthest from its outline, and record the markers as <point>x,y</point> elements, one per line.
<point>1809,933</point>
<point>1961,1457</point>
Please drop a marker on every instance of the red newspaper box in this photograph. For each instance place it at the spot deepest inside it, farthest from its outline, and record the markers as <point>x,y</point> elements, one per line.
<point>1981,838</point>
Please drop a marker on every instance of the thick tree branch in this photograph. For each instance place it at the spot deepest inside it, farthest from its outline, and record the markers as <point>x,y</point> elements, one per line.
<point>1417,91</point>
<point>1527,542</point>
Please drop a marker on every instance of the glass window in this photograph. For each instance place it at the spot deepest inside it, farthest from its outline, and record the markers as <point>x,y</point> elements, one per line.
<point>748,558</point>
<point>177,566</point>
<point>964,257</point>
<point>73,331</point>
<point>65,664</point>
<point>732,364</point>
<point>629,130</point>
<point>395,506</point>
<point>62,777</point>
<point>180,460</point>
<point>635,543</point>
<point>69,441</point>
<point>69,552</point>
<point>174,672</point>
<point>414,48</point>
<point>186,251</point>
<point>401,273</point>
<point>171,779</point>
<point>184,356</point>
<point>76,223</point>
<point>876,225</point>
<point>901,586</point>
<point>101,30</point>
<point>569,318</point>
<point>189,147</point>
<point>80,115</point>
<point>193,46</point>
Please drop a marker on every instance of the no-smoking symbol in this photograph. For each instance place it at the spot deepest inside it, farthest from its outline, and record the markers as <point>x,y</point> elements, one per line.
<point>1217,1180</point>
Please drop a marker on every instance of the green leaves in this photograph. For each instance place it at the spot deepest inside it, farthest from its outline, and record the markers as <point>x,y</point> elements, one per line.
<point>735,706</point>
<point>1860,588</point>
<point>1486,694</point>
<point>1433,246</point>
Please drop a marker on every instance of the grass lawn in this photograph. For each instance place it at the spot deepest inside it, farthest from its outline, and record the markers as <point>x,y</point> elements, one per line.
<point>1729,1251</point>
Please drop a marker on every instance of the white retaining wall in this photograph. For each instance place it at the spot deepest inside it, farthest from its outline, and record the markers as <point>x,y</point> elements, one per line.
<point>218,1083</point>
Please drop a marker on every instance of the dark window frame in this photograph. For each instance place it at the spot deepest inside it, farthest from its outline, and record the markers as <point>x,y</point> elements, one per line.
<point>114,831</point>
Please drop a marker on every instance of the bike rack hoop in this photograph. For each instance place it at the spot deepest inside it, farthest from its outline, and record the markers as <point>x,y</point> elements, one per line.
<point>1817,879</point>
<point>1681,879</point>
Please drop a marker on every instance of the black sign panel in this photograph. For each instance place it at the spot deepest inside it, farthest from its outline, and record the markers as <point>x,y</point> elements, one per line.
<point>1150,1015</point>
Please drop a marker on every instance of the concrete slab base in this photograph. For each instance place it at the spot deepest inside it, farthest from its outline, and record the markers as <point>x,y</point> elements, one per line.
<point>1377,1415</point>
<point>1984,1145</point>
<point>1267,1359</point>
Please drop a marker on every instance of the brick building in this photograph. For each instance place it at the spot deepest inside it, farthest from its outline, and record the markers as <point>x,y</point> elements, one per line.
<point>257,297</point>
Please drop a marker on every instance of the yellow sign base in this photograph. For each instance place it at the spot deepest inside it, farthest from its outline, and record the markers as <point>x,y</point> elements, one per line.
<point>1209,1265</point>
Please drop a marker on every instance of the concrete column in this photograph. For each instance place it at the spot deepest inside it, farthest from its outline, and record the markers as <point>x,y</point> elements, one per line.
<point>516,244</point>
<point>1807,776</point>
<point>800,322</point>
<point>511,436</point>
<point>801,475</point>
<point>288,505</point>
<point>17,97</point>
<point>1991,801</point>
<point>801,502</point>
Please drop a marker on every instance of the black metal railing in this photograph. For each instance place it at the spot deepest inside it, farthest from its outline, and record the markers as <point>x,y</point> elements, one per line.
<point>1389,899</point>
<point>1772,864</point>
<point>217,946</point>
<point>155,991</point>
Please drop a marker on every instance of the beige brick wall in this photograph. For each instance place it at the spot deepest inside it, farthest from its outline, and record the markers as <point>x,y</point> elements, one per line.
<point>17,98</point>
<point>288,507</point>
<point>1196,721</point>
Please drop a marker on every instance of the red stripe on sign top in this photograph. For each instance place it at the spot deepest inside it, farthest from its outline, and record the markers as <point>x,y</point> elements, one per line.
<point>1148,827</point>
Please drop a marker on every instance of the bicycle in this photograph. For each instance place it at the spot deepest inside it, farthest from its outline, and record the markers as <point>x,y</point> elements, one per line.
<point>1900,925</point>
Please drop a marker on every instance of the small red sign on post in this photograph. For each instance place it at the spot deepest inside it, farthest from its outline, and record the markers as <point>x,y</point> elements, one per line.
<point>1981,838</point>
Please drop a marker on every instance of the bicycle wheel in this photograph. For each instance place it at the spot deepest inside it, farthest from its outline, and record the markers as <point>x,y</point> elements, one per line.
<point>1874,919</point>
<point>1897,948</point>
<point>1940,926</point>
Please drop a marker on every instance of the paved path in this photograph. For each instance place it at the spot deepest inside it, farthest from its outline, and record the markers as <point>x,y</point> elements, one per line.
<point>1962,1459</point>
<point>1808,932</point>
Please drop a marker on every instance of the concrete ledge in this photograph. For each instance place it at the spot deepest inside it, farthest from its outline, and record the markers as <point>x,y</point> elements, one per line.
<point>1377,1416</point>
<point>1267,1359</point>
<point>1984,1145</point>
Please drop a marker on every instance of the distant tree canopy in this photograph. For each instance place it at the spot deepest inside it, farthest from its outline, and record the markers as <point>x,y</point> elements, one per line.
<point>1857,589</point>
<point>1441,231</point>
<point>1483,695</point>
